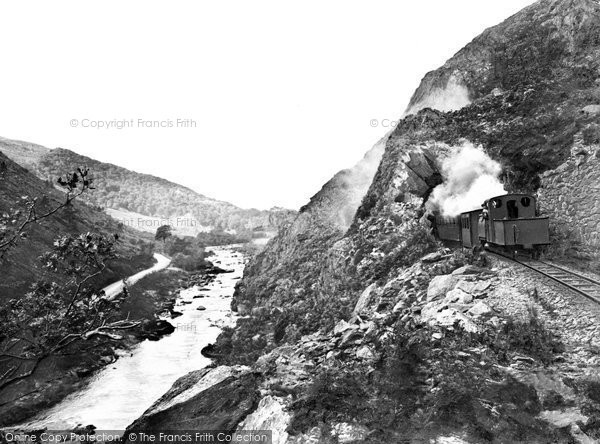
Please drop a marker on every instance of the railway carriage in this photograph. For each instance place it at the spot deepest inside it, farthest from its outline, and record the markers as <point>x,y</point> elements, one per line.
<point>448,228</point>
<point>509,222</point>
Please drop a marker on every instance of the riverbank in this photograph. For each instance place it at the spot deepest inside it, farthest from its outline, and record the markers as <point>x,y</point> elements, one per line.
<point>150,298</point>
<point>135,372</point>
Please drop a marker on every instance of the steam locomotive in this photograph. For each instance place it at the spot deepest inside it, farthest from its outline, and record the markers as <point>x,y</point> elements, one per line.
<point>509,222</point>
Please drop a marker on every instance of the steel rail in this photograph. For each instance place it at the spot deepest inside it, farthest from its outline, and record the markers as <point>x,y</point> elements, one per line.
<point>583,285</point>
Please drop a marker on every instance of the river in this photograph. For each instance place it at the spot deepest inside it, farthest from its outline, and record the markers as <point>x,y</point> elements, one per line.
<point>119,393</point>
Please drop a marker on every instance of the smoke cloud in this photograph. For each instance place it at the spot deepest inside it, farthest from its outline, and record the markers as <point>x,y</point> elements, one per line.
<point>470,177</point>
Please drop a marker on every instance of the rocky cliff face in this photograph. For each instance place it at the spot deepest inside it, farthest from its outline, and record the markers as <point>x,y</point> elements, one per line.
<point>569,195</point>
<point>534,42</point>
<point>374,332</point>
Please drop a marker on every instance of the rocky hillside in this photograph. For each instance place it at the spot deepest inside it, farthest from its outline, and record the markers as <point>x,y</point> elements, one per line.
<point>373,332</point>
<point>551,39</point>
<point>531,125</point>
<point>22,264</point>
<point>301,245</point>
<point>122,189</point>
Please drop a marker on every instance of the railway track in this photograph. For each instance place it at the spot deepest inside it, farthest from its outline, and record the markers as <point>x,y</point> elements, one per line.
<point>585,286</point>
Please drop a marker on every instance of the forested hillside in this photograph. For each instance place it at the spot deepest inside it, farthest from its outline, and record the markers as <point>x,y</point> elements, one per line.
<point>22,264</point>
<point>122,189</point>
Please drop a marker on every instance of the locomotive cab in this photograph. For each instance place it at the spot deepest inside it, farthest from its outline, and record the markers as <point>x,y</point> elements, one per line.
<point>511,221</point>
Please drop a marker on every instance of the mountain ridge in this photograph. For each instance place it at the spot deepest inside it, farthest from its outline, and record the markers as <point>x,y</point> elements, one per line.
<point>122,189</point>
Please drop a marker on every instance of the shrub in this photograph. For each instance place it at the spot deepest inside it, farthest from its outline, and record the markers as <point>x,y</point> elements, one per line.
<point>530,337</point>
<point>337,394</point>
<point>591,134</point>
<point>190,262</point>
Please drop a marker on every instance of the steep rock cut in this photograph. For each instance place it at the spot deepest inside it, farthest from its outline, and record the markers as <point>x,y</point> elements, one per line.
<point>569,195</point>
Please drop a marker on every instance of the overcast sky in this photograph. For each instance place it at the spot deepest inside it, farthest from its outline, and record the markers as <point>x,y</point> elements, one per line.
<point>282,93</point>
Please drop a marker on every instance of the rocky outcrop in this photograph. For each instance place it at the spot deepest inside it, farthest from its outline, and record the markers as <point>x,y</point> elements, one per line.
<point>533,40</point>
<point>474,304</point>
<point>217,399</point>
<point>569,195</point>
<point>269,415</point>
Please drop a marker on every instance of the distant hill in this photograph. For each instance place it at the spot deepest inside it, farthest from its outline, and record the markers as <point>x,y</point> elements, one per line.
<point>22,266</point>
<point>127,191</point>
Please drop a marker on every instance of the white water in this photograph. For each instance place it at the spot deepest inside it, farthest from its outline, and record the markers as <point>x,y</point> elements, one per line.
<point>119,393</point>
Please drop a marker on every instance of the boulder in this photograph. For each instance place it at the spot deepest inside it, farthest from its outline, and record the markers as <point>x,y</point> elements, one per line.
<point>467,286</point>
<point>348,337</point>
<point>436,256</point>
<point>365,353</point>
<point>269,415</point>
<point>482,286</point>
<point>202,404</point>
<point>371,332</point>
<point>154,329</point>
<point>343,326</point>
<point>439,286</point>
<point>200,307</point>
<point>365,299</point>
<point>480,309</point>
<point>401,305</point>
<point>366,326</point>
<point>447,317</point>
<point>468,269</point>
<point>458,296</point>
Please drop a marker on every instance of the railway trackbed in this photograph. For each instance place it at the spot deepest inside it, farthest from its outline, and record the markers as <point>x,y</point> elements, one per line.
<point>585,286</point>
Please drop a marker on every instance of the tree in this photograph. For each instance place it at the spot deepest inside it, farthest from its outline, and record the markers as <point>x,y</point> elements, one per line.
<point>163,232</point>
<point>13,226</point>
<point>51,317</point>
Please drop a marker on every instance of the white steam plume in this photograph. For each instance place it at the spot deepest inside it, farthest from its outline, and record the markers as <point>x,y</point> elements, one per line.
<point>470,177</point>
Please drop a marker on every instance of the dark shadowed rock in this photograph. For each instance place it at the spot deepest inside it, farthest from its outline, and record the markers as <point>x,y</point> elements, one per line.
<point>154,329</point>
<point>220,407</point>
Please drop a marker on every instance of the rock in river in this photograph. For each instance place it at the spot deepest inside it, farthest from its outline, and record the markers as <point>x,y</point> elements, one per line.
<point>221,407</point>
<point>154,329</point>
